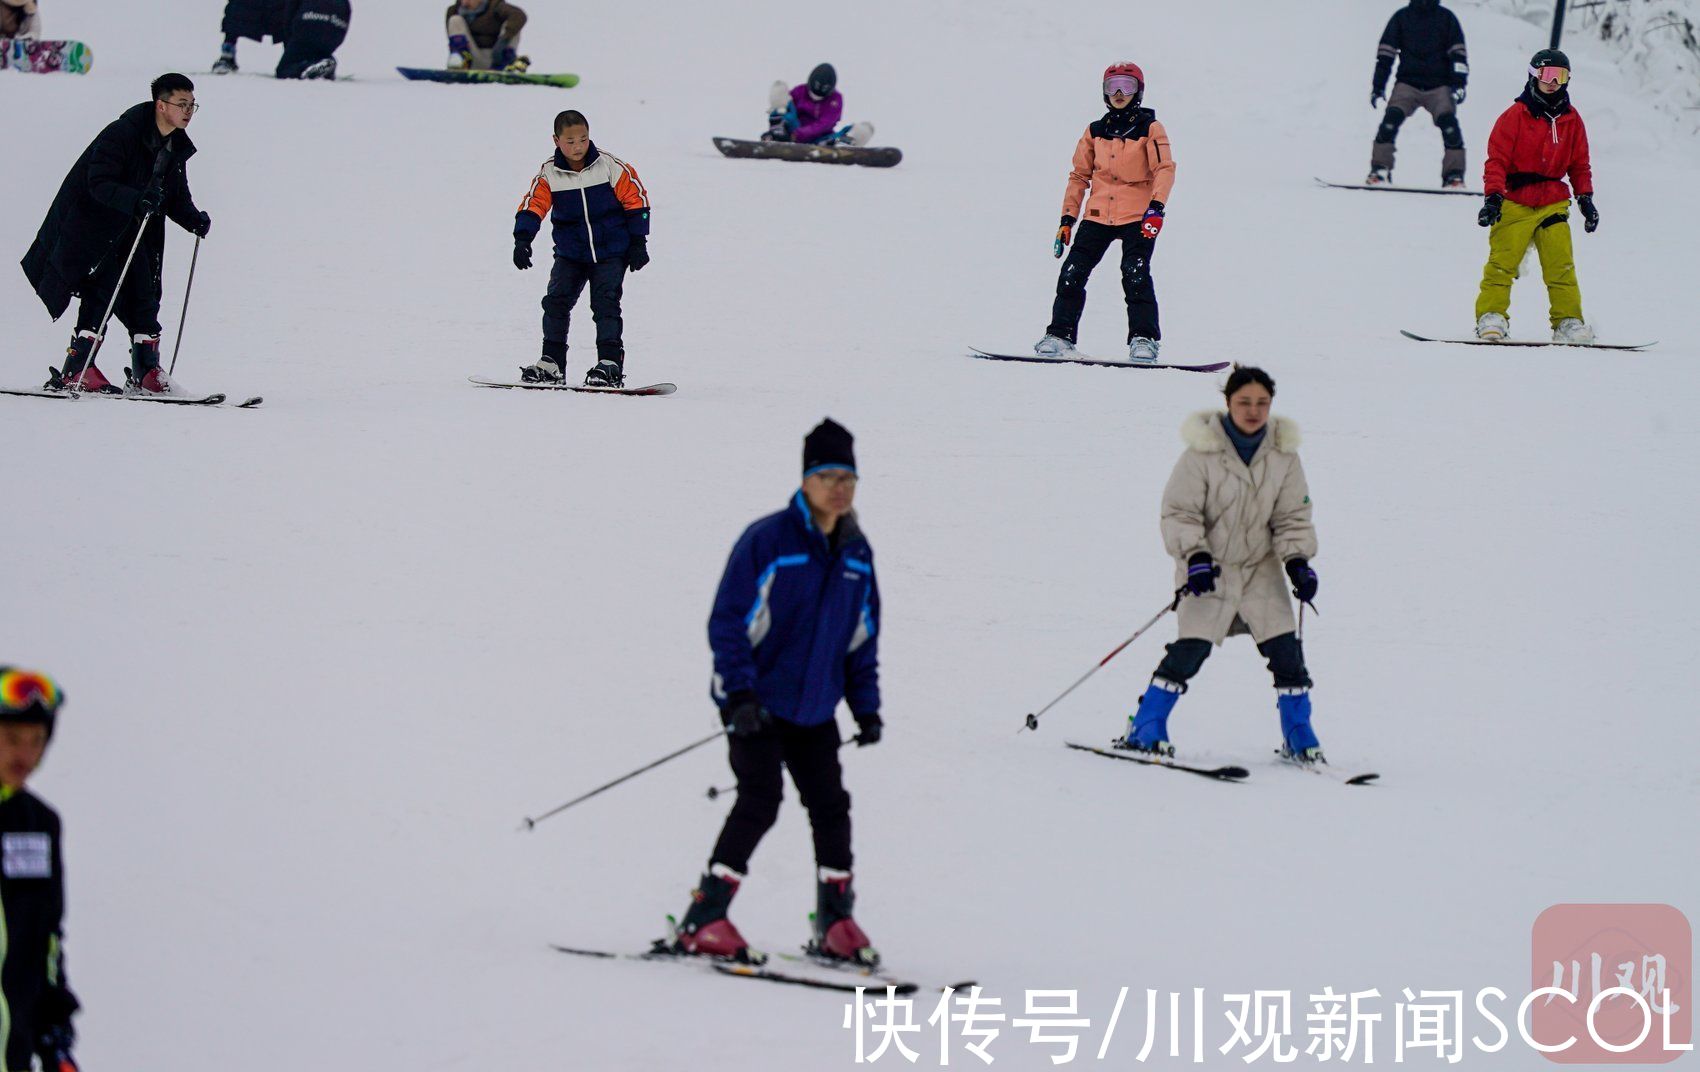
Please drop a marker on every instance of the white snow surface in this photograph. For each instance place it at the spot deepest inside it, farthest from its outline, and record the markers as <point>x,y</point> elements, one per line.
<point>322,657</point>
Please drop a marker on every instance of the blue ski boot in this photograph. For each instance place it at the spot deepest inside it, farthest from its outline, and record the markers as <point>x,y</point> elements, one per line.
<point>1148,726</point>
<point>1298,739</point>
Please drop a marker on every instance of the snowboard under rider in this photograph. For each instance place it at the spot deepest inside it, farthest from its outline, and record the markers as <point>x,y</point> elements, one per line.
<point>484,36</point>
<point>37,1001</point>
<point>1434,67</point>
<point>794,630</point>
<point>1124,159</point>
<point>599,212</point>
<point>131,176</point>
<point>810,113</point>
<point>1237,520</point>
<point>1536,144</point>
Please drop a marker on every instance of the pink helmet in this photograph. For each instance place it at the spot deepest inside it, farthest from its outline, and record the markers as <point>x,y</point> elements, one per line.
<point>1125,70</point>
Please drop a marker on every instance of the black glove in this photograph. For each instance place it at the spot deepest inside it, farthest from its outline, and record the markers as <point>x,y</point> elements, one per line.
<point>870,726</point>
<point>149,202</point>
<point>1585,202</point>
<point>1457,94</point>
<point>1201,574</point>
<point>204,225</point>
<point>1303,578</point>
<point>1376,96</point>
<point>638,255</point>
<point>1489,215</point>
<point>53,1047</point>
<point>522,252</point>
<point>744,716</point>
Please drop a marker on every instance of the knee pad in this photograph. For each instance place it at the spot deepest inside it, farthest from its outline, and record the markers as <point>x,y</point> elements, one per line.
<point>1389,125</point>
<point>1450,135</point>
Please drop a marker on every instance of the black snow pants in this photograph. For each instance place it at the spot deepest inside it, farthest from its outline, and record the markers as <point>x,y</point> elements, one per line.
<point>1285,654</point>
<point>607,281</point>
<point>137,307</point>
<point>811,754</point>
<point>1091,241</point>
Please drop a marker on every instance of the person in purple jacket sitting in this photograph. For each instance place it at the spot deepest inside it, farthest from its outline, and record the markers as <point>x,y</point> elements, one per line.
<point>809,114</point>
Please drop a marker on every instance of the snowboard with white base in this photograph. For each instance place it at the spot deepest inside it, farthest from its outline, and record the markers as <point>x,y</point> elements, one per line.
<point>1214,366</point>
<point>652,389</point>
<point>1530,342</point>
<point>1390,188</point>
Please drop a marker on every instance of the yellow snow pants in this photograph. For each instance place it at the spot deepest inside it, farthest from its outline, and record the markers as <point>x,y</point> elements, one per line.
<point>1548,227</point>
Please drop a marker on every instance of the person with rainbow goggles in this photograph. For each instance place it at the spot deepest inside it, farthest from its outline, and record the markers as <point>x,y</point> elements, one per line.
<point>1538,143</point>
<point>38,1003</point>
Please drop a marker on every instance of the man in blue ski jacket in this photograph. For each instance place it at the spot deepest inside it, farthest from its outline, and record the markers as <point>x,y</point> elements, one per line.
<point>795,629</point>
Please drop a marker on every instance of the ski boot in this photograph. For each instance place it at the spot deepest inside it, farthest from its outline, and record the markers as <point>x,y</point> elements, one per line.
<point>460,54</point>
<point>705,931</point>
<point>1148,726</point>
<point>325,68</point>
<point>144,373</point>
<point>837,937</point>
<point>1452,180</point>
<point>1143,351</point>
<point>605,373</point>
<point>1299,741</point>
<point>80,373</point>
<point>1573,332</point>
<point>226,62</point>
<point>1054,346</point>
<point>547,369</point>
<point>1493,327</point>
<point>1379,176</point>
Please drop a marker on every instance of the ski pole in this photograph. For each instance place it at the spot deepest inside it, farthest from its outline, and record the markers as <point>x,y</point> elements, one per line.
<point>714,792</point>
<point>187,289</point>
<point>530,824</point>
<point>1033,719</point>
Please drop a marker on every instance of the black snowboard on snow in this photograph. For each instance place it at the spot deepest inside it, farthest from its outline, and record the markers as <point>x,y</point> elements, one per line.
<point>1214,366</point>
<point>865,155</point>
<point>1531,342</point>
<point>1390,188</point>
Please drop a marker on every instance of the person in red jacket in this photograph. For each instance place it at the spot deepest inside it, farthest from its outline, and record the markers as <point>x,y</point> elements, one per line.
<point>1536,144</point>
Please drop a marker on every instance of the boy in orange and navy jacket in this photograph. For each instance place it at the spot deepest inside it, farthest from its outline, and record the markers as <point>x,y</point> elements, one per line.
<point>600,215</point>
<point>1125,160</point>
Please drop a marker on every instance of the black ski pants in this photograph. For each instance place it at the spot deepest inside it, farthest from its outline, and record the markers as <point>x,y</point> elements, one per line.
<point>1285,654</point>
<point>138,298</point>
<point>1091,241</point>
<point>607,281</point>
<point>811,754</point>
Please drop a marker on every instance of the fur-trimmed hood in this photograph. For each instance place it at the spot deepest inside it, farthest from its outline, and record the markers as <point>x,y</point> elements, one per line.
<point>1203,432</point>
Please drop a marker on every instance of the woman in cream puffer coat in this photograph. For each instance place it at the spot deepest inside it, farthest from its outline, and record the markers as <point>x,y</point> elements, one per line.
<point>1236,518</point>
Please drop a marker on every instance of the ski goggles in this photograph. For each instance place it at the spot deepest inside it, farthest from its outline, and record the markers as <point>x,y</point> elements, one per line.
<point>1125,84</point>
<point>25,692</point>
<point>1560,75</point>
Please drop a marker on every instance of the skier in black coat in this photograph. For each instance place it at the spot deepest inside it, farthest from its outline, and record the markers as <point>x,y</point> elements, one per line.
<point>38,1002</point>
<point>1433,69</point>
<point>129,174</point>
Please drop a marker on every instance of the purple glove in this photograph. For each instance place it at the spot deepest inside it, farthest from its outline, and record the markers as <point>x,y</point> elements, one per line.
<point>1201,574</point>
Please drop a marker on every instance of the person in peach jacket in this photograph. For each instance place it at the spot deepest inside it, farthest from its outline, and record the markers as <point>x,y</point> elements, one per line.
<point>1124,159</point>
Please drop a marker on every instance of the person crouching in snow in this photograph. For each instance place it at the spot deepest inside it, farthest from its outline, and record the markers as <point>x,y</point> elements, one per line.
<point>809,113</point>
<point>1236,516</point>
<point>1538,142</point>
<point>1125,159</point>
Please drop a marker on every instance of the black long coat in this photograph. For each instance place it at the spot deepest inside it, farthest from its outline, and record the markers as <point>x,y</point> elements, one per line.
<point>93,215</point>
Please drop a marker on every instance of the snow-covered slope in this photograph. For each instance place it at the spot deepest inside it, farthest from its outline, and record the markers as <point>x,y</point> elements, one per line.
<point>322,657</point>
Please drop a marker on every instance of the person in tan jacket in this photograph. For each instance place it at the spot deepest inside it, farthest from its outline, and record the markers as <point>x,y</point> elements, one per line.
<point>484,36</point>
<point>1236,517</point>
<point>1124,159</point>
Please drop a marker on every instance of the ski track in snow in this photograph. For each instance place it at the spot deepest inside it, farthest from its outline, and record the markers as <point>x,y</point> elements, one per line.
<point>322,657</point>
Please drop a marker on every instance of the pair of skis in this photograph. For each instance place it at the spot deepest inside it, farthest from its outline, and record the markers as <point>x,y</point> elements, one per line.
<point>133,396</point>
<point>1225,773</point>
<point>858,976</point>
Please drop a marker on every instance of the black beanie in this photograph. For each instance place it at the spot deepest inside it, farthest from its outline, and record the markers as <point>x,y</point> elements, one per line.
<point>829,446</point>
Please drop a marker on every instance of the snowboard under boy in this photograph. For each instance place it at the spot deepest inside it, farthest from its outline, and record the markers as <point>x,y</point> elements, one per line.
<point>1434,67</point>
<point>484,36</point>
<point>810,113</point>
<point>795,630</point>
<point>1124,159</point>
<point>38,1002</point>
<point>131,174</point>
<point>1538,142</point>
<point>599,211</point>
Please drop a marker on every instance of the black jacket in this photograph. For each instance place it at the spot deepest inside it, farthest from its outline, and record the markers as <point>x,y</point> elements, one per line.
<point>1429,44</point>
<point>93,215</point>
<point>257,19</point>
<point>32,887</point>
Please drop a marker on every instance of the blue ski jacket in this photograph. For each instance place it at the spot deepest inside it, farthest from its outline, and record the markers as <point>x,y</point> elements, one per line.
<point>796,619</point>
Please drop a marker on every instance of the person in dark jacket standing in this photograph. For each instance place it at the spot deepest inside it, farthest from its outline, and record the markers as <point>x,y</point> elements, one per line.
<point>1433,69</point>
<point>131,173</point>
<point>38,1002</point>
<point>795,630</point>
